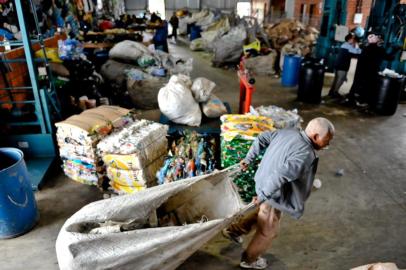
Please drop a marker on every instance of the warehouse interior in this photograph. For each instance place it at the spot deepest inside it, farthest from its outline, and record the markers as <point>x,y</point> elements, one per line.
<point>123,124</point>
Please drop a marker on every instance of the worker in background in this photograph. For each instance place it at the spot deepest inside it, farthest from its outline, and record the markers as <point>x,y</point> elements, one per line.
<point>349,49</point>
<point>174,21</point>
<point>366,73</point>
<point>283,183</point>
<point>161,33</point>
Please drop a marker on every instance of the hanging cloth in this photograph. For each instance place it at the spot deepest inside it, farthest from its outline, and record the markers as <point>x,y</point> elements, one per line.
<point>79,4</point>
<point>88,6</point>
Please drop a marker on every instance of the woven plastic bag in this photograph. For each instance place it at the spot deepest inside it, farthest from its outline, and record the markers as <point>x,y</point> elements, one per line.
<point>127,232</point>
<point>177,103</point>
<point>202,89</point>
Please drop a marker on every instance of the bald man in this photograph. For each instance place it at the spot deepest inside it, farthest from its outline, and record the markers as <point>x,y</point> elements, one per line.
<point>283,183</point>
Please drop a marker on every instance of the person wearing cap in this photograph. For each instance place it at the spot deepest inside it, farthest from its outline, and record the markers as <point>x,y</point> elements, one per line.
<point>283,183</point>
<point>347,51</point>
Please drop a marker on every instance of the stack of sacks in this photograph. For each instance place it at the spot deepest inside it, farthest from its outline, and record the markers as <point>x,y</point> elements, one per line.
<point>282,118</point>
<point>179,100</point>
<point>214,31</point>
<point>202,18</point>
<point>237,134</point>
<point>133,155</point>
<point>135,72</point>
<point>78,136</point>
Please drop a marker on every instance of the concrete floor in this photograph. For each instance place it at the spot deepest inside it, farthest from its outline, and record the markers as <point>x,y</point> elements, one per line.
<point>352,220</point>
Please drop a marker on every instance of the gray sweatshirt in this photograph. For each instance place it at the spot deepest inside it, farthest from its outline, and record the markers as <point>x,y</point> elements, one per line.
<point>285,175</point>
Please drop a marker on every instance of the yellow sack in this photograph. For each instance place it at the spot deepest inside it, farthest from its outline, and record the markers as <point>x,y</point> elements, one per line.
<point>127,189</point>
<point>52,55</point>
<point>246,126</point>
<point>126,177</point>
<point>135,178</point>
<point>256,45</point>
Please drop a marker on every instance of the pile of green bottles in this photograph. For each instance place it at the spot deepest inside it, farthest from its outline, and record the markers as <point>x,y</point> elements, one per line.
<point>232,152</point>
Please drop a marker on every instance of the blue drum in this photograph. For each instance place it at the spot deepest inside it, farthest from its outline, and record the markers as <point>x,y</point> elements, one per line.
<point>18,209</point>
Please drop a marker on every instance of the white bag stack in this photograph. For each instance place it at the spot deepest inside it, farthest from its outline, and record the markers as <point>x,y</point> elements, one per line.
<point>133,155</point>
<point>78,136</point>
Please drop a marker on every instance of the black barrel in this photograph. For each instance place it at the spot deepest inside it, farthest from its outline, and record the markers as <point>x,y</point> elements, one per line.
<point>311,78</point>
<point>387,94</point>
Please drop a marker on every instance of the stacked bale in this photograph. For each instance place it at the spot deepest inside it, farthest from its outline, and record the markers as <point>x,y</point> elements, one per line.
<point>78,136</point>
<point>133,155</point>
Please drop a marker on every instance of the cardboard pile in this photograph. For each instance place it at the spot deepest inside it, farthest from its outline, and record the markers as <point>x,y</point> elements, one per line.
<point>291,31</point>
<point>78,136</point>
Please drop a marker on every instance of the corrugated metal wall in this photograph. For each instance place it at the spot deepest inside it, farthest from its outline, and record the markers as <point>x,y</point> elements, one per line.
<point>135,6</point>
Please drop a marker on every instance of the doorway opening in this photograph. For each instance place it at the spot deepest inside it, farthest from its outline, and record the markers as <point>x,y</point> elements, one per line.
<point>157,6</point>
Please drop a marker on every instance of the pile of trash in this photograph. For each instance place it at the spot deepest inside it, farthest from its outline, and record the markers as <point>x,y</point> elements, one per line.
<point>262,64</point>
<point>190,155</point>
<point>223,35</point>
<point>237,135</point>
<point>203,19</point>
<point>226,35</point>
<point>133,155</point>
<point>210,34</point>
<point>292,37</point>
<point>281,118</point>
<point>78,136</point>
<point>229,47</point>
<point>138,72</point>
<point>179,100</point>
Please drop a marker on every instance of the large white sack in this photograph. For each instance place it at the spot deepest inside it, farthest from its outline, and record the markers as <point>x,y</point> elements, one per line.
<point>119,233</point>
<point>174,65</point>
<point>175,100</point>
<point>128,50</point>
<point>206,21</point>
<point>202,89</point>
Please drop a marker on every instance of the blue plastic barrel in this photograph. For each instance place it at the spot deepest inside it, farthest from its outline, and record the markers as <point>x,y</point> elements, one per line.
<point>290,73</point>
<point>18,209</point>
<point>195,31</point>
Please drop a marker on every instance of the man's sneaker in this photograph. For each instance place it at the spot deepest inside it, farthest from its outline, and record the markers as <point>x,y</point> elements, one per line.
<point>260,263</point>
<point>231,236</point>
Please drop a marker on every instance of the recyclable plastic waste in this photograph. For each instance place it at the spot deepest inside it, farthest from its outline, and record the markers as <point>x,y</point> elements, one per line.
<point>214,107</point>
<point>133,155</point>
<point>176,101</point>
<point>281,118</point>
<point>190,155</point>
<point>237,135</point>
<point>78,135</point>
